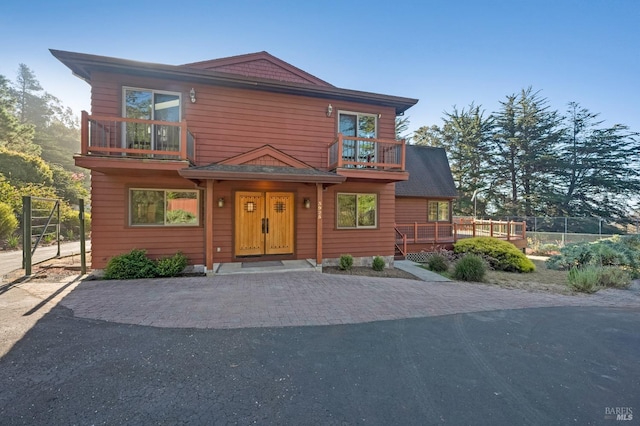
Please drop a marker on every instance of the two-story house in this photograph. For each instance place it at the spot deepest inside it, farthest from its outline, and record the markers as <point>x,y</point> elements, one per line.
<point>235,159</point>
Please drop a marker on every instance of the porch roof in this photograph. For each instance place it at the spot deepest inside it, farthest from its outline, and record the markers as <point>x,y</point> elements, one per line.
<point>259,172</point>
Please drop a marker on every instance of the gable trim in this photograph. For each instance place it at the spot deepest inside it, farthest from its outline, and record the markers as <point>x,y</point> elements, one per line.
<point>266,150</point>
<point>214,64</point>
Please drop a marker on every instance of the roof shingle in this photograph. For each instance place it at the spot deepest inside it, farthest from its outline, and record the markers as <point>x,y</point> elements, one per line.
<point>429,174</point>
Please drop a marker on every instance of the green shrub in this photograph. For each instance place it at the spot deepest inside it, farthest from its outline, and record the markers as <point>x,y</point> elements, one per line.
<point>378,263</point>
<point>13,241</point>
<point>621,251</point>
<point>132,265</point>
<point>346,262</point>
<point>613,276</point>
<point>171,266</point>
<point>584,279</point>
<point>70,224</point>
<point>500,255</point>
<point>437,263</point>
<point>470,267</point>
<point>8,221</point>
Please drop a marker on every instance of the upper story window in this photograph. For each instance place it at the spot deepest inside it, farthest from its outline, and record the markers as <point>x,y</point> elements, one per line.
<point>438,211</point>
<point>146,104</point>
<point>363,127</point>
<point>160,207</point>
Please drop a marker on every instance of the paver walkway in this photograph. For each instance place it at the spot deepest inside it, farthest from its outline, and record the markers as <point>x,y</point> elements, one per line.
<point>303,298</point>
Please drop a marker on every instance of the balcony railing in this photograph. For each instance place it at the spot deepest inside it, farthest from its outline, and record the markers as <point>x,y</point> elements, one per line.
<point>136,138</point>
<point>363,153</point>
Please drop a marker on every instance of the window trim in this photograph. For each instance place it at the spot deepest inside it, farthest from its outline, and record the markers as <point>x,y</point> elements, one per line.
<point>165,224</point>
<point>357,194</point>
<point>437,203</point>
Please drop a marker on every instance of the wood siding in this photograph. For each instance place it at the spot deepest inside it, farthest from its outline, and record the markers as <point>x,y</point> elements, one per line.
<point>230,121</point>
<point>111,234</point>
<point>410,210</point>
<point>359,242</point>
<point>227,122</point>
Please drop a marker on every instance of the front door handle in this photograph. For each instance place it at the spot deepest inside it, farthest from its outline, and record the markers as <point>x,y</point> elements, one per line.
<point>265,226</point>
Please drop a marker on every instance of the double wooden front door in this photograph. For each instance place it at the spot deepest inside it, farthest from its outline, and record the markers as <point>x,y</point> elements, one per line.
<point>264,223</point>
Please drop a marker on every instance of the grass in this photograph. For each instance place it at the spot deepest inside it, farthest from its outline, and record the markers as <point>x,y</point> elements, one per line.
<point>542,279</point>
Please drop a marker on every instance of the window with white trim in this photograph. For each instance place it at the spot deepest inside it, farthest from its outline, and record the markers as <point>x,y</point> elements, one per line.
<point>164,207</point>
<point>357,210</point>
<point>438,211</point>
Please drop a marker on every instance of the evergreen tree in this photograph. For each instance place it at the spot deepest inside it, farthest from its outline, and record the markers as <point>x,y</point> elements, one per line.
<point>402,125</point>
<point>599,166</point>
<point>13,135</point>
<point>428,136</point>
<point>527,134</point>
<point>466,136</point>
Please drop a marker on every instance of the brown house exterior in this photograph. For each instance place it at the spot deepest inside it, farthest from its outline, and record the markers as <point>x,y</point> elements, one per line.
<point>424,201</point>
<point>239,159</point>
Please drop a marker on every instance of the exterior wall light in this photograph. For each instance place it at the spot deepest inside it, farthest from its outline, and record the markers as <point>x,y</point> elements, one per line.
<point>221,202</point>
<point>329,110</point>
<point>192,95</point>
<point>307,203</point>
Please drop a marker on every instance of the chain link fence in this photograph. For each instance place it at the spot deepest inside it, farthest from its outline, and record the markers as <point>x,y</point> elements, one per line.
<point>575,225</point>
<point>559,231</point>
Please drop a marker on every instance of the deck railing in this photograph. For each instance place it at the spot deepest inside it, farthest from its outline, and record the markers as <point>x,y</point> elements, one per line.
<point>436,232</point>
<point>131,137</point>
<point>401,242</point>
<point>364,153</point>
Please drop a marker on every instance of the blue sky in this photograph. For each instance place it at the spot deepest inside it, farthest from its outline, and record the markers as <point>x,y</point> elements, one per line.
<point>444,53</point>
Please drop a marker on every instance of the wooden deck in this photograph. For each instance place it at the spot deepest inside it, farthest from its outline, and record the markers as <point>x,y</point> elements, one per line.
<point>416,237</point>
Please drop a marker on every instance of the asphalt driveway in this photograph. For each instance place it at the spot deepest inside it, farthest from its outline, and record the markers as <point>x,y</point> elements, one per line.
<point>544,366</point>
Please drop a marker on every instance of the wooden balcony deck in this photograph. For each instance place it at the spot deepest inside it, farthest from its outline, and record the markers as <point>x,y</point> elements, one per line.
<point>119,137</point>
<point>351,155</point>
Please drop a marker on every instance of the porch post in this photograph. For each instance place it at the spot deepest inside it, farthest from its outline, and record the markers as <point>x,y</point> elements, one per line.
<point>84,133</point>
<point>208,227</point>
<point>319,224</point>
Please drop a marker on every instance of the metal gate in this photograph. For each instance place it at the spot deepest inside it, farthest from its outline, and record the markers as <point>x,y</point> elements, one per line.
<point>40,222</point>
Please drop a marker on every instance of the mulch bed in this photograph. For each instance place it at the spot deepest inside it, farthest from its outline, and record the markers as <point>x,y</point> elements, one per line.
<point>369,272</point>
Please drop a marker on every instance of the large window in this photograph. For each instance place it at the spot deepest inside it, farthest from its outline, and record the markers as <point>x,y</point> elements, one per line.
<point>357,210</point>
<point>159,207</point>
<point>438,211</point>
<point>363,127</point>
<point>147,104</point>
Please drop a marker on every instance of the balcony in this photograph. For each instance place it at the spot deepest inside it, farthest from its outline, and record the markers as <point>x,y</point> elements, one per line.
<point>106,140</point>
<point>368,159</point>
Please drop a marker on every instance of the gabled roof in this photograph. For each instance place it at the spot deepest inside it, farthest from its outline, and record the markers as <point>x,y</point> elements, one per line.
<point>429,174</point>
<point>264,163</point>
<point>82,65</point>
<point>259,64</point>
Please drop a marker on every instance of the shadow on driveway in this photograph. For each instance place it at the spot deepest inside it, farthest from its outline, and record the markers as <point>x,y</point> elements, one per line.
<point>542,366</point>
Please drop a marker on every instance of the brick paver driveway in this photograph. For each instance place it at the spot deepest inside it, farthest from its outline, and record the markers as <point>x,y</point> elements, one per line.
<point>303,298</point>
